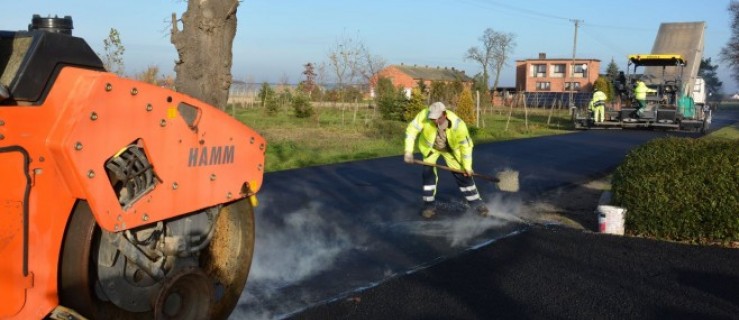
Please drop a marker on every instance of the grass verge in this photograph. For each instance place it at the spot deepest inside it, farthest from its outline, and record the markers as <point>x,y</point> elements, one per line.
<point>356,132</point>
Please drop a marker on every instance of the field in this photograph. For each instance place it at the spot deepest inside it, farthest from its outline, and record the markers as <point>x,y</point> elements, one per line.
<point>348,132</point>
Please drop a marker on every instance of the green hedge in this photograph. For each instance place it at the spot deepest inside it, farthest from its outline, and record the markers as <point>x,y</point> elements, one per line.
<point>681,189</point>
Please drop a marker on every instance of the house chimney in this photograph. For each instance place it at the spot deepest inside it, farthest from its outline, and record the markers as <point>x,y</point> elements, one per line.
<point>542,55</point>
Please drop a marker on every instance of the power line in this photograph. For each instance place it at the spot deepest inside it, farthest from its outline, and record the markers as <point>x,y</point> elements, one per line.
<point>488,4</point>
<point>597,38</point>
<point>618,27</point>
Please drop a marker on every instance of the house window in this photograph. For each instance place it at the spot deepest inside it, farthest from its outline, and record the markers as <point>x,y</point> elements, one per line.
<point>538,70</point>
<point>543,86</point>
<point>558,70</point>
<point>569,86</point>
<point>580,70</point>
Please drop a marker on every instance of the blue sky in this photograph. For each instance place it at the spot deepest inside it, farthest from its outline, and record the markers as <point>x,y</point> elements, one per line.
<point>275,38</point>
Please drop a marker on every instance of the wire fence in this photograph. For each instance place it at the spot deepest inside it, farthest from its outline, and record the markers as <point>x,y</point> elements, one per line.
<point>247,95</point>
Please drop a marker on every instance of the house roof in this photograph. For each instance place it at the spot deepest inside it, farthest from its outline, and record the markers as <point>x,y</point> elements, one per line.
<point>434,74</point>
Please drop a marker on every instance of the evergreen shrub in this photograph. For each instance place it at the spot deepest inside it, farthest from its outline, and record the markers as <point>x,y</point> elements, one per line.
<point>681,189</point>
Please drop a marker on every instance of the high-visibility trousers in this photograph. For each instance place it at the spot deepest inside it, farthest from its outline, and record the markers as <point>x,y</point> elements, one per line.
<point>431,178</point>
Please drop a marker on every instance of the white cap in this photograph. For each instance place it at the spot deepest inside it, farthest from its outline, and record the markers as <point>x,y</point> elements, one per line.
<point>435,110</point>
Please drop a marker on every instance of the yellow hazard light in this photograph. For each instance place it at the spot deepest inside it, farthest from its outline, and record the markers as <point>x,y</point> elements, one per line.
<point>253,200</point>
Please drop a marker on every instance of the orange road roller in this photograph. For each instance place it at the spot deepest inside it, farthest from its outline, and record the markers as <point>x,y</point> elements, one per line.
<point>118,199</point>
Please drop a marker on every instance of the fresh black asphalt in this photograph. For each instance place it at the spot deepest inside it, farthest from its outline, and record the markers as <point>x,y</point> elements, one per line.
<point>558,273</point>
<point>346,241</point>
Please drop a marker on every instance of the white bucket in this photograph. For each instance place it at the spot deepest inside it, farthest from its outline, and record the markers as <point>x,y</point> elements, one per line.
<point>611,219</point>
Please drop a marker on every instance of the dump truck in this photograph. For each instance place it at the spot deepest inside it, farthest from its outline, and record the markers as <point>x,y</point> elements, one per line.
<point>120,199</point>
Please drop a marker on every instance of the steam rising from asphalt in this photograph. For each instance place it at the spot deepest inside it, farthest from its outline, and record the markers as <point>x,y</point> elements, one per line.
<point>460,227</point>
<point>298,246</point>
<point>301,245</point>
<point>305,245</point>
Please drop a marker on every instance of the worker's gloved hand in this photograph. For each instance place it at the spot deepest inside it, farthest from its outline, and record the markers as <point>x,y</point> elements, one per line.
<point>408,158</point>
<point>468,172</point>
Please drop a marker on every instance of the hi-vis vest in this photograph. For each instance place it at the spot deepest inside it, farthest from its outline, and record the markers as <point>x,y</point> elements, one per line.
<point>599,99</point>
<point>640,92</point>
<point>458,137</point>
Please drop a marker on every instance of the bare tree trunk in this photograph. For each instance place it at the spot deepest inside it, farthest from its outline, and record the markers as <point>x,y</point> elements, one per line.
<point>204,49</point>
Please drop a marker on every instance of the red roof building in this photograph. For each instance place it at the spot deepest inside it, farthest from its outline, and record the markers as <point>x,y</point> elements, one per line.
<point>407,77</point>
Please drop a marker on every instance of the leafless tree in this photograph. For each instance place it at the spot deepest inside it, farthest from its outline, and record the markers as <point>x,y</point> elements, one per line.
<point>205,74</point>
<point>344,60</point>
<point>504,44</point>
<point>483,55</point>
<point>369,64</point>
<point>496,48</point>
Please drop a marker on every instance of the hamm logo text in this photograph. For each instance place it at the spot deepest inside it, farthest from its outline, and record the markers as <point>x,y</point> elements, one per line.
<point>208,156</point>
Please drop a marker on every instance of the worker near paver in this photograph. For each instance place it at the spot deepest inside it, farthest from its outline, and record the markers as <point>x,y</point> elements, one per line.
<point>640,94</point>
<point>598,105</point>
<point>443,133</point>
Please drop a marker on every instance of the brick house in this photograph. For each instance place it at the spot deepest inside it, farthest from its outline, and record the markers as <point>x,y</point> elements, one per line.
<point>555,75</point>
<point>407,77</point>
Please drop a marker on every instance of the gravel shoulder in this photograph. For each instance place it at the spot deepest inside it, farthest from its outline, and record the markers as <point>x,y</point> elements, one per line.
<point>571,206</point>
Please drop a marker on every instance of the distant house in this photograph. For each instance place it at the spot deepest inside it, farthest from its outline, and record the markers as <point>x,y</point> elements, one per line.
<point>407,77</point>
<point>556,75</point>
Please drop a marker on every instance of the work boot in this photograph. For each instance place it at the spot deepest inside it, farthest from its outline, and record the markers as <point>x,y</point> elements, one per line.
<point>482,210</point>
<point>429,210</point>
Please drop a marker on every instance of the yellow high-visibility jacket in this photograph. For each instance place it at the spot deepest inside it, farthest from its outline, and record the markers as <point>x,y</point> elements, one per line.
<point>599,99</point>
<point>458,137</point>
<point>640,92</point>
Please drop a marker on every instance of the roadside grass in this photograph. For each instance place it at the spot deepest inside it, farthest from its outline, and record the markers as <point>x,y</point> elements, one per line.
<point>729,132</point>
<point>731,105</point>
<point>726,133</point>
<point>353,132</point>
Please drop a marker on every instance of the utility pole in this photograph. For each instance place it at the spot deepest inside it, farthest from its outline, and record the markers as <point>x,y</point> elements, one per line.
<point>572,67</point>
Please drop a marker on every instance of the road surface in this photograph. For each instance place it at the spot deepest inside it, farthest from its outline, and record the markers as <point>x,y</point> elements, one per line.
<point>329,233</point>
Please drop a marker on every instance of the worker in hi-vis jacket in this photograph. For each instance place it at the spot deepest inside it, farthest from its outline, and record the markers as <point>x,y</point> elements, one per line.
<point>443,133</point>
<point>640,94</point>
<point>598,105</point>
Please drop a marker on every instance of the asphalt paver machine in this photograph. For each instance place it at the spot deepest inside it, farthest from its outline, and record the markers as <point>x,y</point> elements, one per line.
<point>669,104</point>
